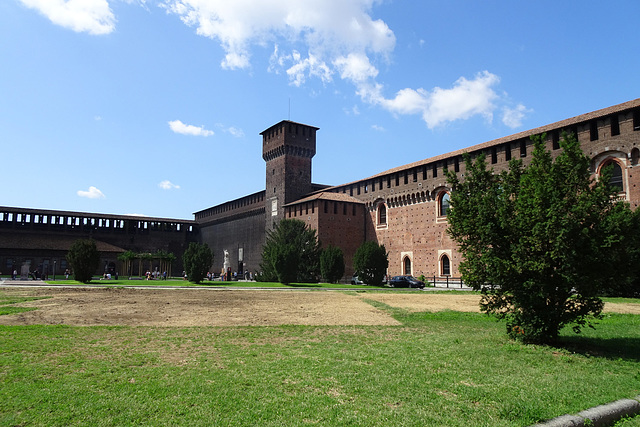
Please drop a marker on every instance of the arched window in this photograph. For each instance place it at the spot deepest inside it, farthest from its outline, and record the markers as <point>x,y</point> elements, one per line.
<point>382,214</point>
<point>635,156</point>
<point>443,204</point>
<point>616,175</point>
<point>445,266</point>
<point>406,265</point>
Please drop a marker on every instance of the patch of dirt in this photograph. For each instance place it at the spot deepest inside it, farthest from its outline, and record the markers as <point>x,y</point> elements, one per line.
<point>196,307</point>
<point>180,307</point>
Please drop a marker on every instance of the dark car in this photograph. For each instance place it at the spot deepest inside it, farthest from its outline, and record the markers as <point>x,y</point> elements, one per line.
<point>405,282</point>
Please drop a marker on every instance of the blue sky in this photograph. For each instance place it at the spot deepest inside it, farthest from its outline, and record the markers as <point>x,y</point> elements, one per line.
<point>154,107</point>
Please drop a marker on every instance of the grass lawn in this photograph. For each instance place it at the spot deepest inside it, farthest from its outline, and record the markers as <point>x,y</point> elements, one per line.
<point>445,369</point>
<point>206,283</point>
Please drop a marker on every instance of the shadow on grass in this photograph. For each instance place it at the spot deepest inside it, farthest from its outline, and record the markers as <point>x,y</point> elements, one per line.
<point>625,348</point>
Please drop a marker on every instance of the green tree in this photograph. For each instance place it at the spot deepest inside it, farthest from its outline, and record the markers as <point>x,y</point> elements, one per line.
<point>370,263</point>
<point>332,264</point>
<point>537,241</point>
<point>84,259</point>
<point>197,259</point>
<point>291,253</point>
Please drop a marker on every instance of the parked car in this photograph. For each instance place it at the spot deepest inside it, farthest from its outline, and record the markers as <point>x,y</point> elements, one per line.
<point>355,280</point>
<point>405,282</point>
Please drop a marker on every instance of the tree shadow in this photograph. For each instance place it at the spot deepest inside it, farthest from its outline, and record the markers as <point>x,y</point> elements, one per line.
<point>625,348</point>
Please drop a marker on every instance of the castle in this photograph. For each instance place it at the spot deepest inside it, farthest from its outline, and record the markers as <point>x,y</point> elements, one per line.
<point>403,208</point>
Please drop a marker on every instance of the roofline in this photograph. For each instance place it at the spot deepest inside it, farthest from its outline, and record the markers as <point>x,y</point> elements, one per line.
<point>34,211</point>
<point>514,137</point>
<point>287,121</point>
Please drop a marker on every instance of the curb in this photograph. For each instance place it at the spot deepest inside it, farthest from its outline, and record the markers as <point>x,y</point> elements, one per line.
<point>598,416</point>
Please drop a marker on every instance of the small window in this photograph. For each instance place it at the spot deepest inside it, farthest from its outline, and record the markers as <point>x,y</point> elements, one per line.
<point>443,207</point>
<point>397,179</point>
<point>494,155</point>
<point>406,177</point>
<point>456,164</point>
<point>435,170</point>
<point>615,125</point>
<point>326,206</point>
<point>555,139</point>
<point>523,148</point>
<point>507,151</point>
<point>593,130</point>
<point>415,175</point>
<point>424,173</point>
<point>382,214</point>
<point>388,181</point>
<point>335,208</point>
<point>636,119</point>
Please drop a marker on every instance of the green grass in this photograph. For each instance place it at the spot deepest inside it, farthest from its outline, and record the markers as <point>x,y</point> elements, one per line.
<point>447,368</point>
<point>231,284</point>
<point>9,300</point>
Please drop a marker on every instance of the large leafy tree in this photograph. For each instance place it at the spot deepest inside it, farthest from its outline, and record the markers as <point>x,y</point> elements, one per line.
<point>539,241</point>
<point>84,259</point>
<point>291,253</point>
<point>370,263</point>
<point>332,264</point>
<point>197,259</point>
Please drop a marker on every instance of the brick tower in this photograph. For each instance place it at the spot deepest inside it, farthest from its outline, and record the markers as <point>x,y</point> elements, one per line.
<point>287,147</point>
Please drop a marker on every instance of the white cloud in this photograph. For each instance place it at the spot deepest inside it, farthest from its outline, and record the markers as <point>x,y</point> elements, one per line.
<point>178,127</point>
<point>91,16</point>
<point>168,185</point>
<point>326,27</point>
<point>512,117</point>
<point>465,99</point>
<point>92,193</point>
<point>340,37</point>
<point>355,67</point>
<point>378,128</point>
<point>238,133</point>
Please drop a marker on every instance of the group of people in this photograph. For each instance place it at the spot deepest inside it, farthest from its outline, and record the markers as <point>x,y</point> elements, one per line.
<point>155,275</point>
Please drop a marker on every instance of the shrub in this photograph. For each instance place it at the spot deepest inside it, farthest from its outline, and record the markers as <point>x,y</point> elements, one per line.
<point>84,259</point>
<point>197,260</point>
<point>370,263</point>
<point>332,264</point>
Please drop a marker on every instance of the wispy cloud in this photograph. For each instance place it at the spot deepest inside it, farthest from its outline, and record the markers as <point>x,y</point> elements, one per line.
<point>168,185</point>
<point>178,127</point>
<point>378,128</point>
<point>90,16</point>
<point>512,117</point>
<point>92,193</point>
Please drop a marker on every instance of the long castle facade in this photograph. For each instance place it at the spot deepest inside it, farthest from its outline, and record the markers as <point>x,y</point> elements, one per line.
<point>404,208</point>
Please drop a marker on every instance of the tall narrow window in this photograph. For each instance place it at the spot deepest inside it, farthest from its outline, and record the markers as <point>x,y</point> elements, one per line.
<point>406,177</point>
<point>435,170</point>
<point>415,174</point>
<point>382,214</point>
<point>456,164</point>
<point>636,119</point>
<point>507,151</point>
<point>494,155</point>
<point>555,139</point>
<point>445,265</point>
<point>615,125</point>
<point>593,130</point>
<point>523,148</point>
<point>443,207</point>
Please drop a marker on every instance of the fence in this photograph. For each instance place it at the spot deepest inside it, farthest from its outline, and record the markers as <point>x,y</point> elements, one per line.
<point>449,282</point>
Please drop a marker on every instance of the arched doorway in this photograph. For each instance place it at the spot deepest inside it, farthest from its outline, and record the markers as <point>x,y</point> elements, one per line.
<point>406,265</point>
<point>445,266</point>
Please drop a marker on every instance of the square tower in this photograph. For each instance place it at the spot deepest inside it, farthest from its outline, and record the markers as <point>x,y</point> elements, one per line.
<point>288,148</point>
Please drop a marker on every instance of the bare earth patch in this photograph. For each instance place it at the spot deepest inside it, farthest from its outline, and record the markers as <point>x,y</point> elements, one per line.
<point>195,307</point>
